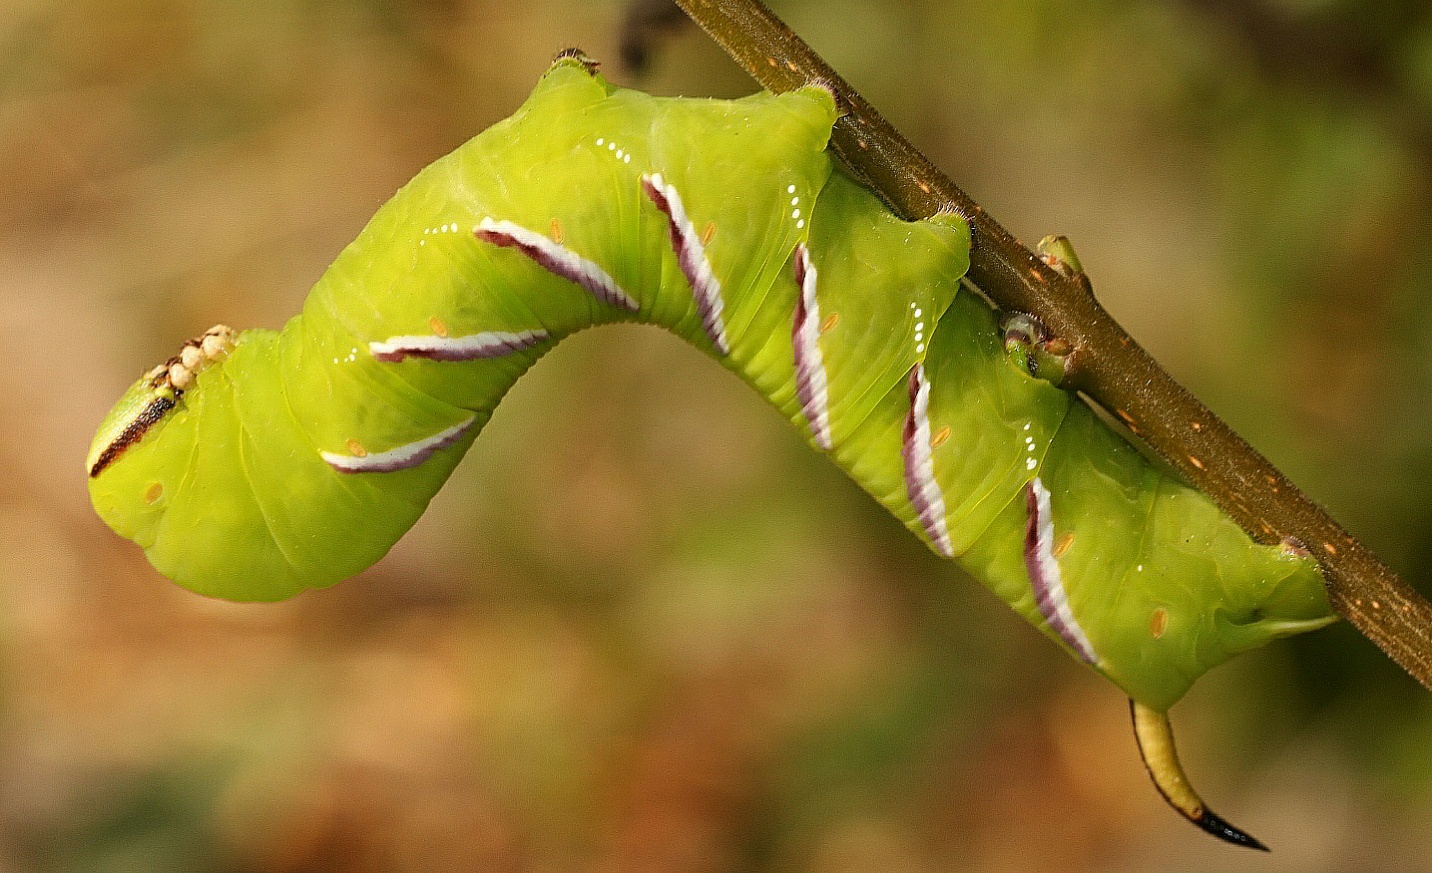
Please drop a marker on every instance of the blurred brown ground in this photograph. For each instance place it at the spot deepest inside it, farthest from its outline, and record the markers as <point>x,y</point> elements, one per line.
<point>681,642</point>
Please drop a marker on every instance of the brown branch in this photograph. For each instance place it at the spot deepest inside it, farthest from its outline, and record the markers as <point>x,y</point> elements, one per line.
<point>1108,365</point>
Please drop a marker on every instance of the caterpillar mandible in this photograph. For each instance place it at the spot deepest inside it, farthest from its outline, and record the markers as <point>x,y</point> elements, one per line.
<point>254,465</point>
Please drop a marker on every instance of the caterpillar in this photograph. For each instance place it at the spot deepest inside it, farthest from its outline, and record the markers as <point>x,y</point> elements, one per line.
<point>256,464</point>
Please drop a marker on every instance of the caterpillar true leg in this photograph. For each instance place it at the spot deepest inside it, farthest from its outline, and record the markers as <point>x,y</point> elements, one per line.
<point>1155,740</point>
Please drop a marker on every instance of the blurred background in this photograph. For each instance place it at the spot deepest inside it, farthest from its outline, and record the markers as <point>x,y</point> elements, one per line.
<point>687,643</point>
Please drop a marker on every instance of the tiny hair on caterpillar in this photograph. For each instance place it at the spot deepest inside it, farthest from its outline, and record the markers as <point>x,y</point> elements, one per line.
<point>256,464</point>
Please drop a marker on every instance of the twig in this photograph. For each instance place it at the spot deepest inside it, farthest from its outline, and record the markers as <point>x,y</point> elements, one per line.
<point>1107,364</point>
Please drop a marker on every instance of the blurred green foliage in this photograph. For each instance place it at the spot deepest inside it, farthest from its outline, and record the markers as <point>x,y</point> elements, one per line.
<point>645,628</point>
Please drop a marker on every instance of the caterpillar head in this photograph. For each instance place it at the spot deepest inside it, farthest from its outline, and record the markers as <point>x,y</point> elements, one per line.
<point>140,451</point>
<point>204,465</point>
<point>148,401</point>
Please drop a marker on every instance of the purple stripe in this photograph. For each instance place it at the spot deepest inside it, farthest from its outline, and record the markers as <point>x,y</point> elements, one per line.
<point>557,259</point>
<point>691,256</point>
<point>920,483</point>
<point>401,458</point>
<point>493,344</point>
<point>1045,577</point>
<point>811,384</point>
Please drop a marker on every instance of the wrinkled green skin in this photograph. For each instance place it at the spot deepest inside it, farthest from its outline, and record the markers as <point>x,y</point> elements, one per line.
<point>249,511</point>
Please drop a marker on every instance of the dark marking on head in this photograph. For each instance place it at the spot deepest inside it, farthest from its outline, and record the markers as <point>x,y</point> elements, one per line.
<point>166,384</point>
<point>133,432</point>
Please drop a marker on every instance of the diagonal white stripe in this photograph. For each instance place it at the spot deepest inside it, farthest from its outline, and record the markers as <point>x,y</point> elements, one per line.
<point>557,259</point>
<point>920,482</point>
<point>1046,577</point>
<point>811,383</point>
<point>492,344</point>
<point>691,256</point>
<point>399,458</point>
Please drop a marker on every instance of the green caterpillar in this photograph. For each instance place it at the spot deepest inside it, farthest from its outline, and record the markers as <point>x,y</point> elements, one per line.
<point>255,465</point>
